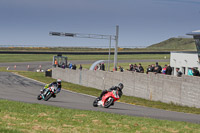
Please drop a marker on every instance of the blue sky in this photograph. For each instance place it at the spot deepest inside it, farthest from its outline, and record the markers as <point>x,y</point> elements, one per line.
<point>141,22</point>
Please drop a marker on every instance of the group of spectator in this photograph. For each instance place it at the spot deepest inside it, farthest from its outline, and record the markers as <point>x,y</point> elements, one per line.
<point>195,72</point>
<point>69,65</point>
<point>191,72</point>
<point>156,68</point>
<point>73,66</point>
<point>101,66</point>
<point>136,68</point>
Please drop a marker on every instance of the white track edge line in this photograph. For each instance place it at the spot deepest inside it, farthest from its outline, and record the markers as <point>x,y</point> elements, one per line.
<point>45,83</point>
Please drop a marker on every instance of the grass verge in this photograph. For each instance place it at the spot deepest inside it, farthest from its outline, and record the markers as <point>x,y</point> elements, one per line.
<point>49,57</point>
<point>96,92</point>
<point>17,117</point>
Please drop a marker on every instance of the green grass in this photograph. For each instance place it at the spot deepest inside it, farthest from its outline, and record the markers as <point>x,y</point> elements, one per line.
<point>175,44</point>
<point>16,117</point>
<point>49,57</point>
<point>96,92</point>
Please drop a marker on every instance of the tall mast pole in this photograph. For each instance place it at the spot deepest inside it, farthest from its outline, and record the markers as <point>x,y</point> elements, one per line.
<point>116,46</point>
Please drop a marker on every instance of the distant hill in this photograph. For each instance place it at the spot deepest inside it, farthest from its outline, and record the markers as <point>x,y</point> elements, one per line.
<point>186,44</point>
<point>172,44</point>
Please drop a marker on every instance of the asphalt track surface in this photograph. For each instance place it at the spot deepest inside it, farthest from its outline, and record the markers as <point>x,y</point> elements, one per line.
<point>17,88</point>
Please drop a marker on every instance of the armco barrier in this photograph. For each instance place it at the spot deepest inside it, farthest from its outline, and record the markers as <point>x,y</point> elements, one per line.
<point>158,87</point>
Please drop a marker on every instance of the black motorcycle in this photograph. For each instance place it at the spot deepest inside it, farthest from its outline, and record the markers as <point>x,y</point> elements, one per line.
<point>46,94</point>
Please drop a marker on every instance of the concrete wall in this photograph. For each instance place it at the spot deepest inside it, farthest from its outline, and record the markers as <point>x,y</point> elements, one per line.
<point>180,90</point>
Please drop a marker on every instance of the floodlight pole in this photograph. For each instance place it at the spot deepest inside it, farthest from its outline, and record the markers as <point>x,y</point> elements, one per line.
<point>95,36</point>
<point>116,47</point>
<point>109,54</point>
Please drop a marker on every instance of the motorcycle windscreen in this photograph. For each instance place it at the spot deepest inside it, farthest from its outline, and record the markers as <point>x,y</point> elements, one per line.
<point>116,94</point>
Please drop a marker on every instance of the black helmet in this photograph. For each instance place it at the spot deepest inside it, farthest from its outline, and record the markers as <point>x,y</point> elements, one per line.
<point>121,86</point>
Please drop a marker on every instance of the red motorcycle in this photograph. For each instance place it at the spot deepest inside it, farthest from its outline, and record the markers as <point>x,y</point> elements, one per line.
<point>107,100</point>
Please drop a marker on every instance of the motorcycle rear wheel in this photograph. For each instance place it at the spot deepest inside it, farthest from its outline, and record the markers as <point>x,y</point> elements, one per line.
<point>95,103</point>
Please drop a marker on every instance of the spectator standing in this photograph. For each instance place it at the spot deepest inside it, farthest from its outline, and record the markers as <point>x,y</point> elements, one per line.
<point>159,68</point>
<point>168,70</point>
<point>56,62</point>
<point>135,68</point>
<point>121,69</point>
<point>80,67</point>
<point>102,67</point>
<point>70,65</point>
<point>130,67</point>
<point>141,69</point>
<point>63,65</point>
<point>74,67</point>
<point>148,69</point>
<point>156,70</point>
<point>164,69</point>
<point>114,69</point>
<point>178,72</point>
<point>195,72</point>
<point>190,73</point>
<point>99,68</point>
<point>96,68</point>
<point>152,68</point>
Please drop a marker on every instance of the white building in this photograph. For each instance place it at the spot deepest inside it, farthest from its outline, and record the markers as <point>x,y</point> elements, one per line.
<point>184,61</point>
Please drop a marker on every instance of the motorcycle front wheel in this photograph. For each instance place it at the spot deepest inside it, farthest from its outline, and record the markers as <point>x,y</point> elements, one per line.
<point>48,96</point>
<point>108,102</point>
<point>39,97</point>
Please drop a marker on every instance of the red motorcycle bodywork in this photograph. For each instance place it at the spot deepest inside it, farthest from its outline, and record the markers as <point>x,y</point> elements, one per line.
<point>113,94</point>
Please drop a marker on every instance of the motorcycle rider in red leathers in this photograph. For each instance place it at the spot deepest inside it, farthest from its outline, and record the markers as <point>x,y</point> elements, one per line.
<point>119,88</point>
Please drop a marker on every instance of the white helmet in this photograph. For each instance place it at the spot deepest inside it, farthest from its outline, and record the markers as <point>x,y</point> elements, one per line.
<point>58,80</point>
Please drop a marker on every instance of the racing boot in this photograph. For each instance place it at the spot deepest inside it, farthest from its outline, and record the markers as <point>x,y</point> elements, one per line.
<point>99,98</point>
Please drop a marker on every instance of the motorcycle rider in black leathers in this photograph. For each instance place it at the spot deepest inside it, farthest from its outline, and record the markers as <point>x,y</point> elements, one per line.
<point>119,88</point>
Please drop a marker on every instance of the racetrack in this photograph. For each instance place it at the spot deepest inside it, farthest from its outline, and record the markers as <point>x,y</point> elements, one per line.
<point>17,88</point>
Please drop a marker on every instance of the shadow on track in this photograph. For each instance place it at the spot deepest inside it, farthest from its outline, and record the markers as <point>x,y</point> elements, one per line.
<point>111,108</point>
<point>52,101</point>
